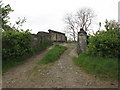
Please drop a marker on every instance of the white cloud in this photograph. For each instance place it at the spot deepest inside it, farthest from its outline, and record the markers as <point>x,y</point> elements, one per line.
<point>45,14</point>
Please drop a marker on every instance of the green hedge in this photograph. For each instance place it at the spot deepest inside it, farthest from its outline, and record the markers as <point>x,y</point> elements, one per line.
<point>42,46</point>
<point>105,43</point>
<point>15,44</point>
<point>17,47</point>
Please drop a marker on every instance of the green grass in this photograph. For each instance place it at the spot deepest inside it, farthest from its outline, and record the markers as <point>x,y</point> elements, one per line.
<point>8,64</point>
<point>53,55</point>
<point>98,66</point>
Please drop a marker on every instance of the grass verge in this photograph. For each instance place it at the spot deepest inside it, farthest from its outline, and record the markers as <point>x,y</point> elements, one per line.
<point>8,64</point>
<point>105,68</point>
<point>53,54</point>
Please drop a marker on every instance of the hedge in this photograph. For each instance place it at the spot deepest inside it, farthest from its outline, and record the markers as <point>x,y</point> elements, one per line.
<point>105,43</point>
<point>15,44</point>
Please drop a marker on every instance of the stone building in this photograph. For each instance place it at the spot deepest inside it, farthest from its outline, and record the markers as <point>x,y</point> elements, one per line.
<point>56,36</point>
<point>43,37</point>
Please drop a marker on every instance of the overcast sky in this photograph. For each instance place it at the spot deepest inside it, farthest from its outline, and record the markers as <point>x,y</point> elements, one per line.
<point>42,15</point>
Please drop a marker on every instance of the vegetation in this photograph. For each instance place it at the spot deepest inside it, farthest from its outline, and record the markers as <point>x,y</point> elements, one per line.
<point>17,42</point>
<point>101,58</point>
<point>17,47</point>
<point>5,10</point>
<point>99,66</point>
<point>9,59</point>
<point>7,64</point>
<point>53,54</point>
<point>105,43</point>
<point>83,18</point>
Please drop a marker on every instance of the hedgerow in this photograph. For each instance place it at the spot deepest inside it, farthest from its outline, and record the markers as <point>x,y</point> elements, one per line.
<point>15,44</point>
<point>105,43</point>
<point>17,47</point>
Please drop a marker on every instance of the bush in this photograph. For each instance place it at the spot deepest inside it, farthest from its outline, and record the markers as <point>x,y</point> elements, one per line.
<point>105,43</point>
<point>17,47</point>
<point>15,44</point>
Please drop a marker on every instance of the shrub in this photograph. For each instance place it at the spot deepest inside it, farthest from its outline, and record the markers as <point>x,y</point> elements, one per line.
<point>17,47</point>
<point>105,43</point>
<point>15,44</point>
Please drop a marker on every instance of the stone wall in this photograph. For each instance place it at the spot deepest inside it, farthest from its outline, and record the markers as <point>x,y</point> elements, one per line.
<point>82,41</point>
<point>39,38</point>
<point>42,37</point>
<point>56,36</point>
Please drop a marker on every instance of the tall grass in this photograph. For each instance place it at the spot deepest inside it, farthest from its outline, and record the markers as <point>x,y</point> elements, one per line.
<point>10,63</point>
<point>99,66</point>
<point>53,54</point>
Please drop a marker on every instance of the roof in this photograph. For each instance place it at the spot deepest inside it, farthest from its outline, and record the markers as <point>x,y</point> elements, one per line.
<point>42,32</point>
<point>55,31</point>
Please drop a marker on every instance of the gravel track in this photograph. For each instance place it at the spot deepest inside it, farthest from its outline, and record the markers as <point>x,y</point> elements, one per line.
<point>60,74</point>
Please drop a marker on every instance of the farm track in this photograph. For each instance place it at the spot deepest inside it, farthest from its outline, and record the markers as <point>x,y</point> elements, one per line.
<point>60,74</point>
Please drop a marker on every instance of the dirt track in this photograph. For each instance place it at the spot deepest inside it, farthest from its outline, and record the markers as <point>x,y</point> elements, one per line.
<point>60,74</point>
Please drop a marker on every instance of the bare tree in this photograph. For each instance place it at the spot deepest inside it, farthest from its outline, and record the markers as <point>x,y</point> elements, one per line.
<point>84,18</point>
<point>112,24</point>
<point>69,20</point>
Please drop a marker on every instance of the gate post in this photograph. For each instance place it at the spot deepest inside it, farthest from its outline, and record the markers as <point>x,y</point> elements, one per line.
<point>82,41</point>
